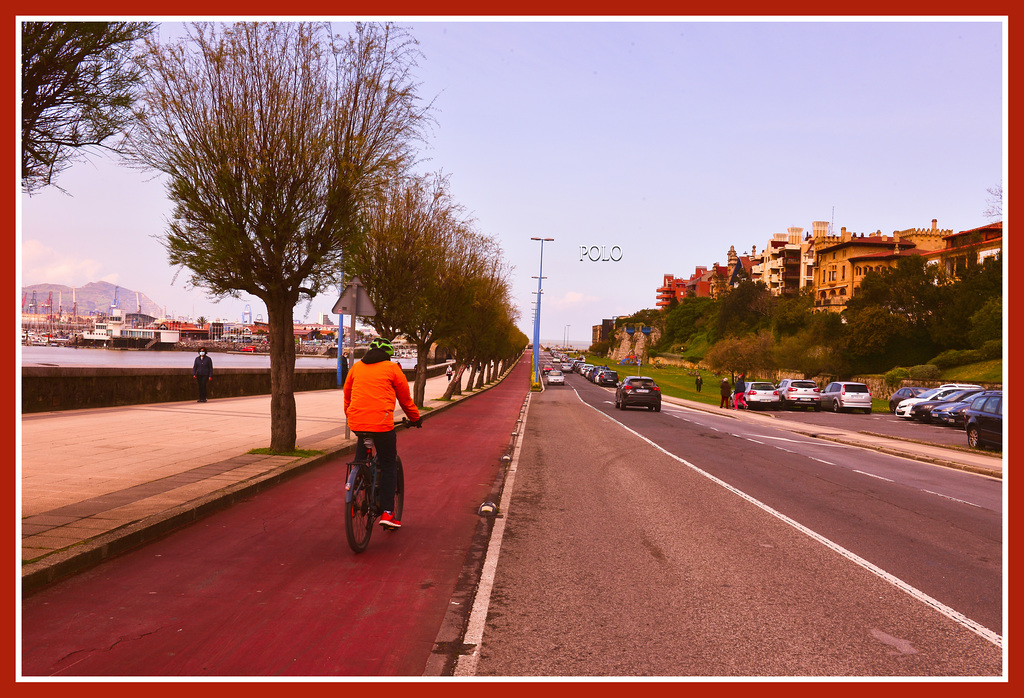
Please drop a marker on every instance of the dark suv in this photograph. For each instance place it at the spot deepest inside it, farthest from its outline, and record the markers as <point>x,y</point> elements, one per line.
<point>638,390</point>
<point>607,377</point>
<point>983,421</point>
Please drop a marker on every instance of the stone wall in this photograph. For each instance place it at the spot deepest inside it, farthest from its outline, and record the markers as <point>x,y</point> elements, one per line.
<point>49,388</point>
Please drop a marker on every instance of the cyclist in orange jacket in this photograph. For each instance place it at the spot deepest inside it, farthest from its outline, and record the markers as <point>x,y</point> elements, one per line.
<point>372,386</point>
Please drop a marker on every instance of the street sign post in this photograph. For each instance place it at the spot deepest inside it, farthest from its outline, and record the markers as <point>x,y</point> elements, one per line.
<point>354,301</point>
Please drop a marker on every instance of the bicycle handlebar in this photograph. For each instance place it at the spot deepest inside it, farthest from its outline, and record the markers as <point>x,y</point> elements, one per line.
<point>407,424</point>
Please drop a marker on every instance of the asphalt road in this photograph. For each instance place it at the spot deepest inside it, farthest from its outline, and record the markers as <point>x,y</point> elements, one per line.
<point>731,550</point>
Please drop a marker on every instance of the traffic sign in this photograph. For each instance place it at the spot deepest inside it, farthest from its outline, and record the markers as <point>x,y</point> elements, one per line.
<point>354,301</point>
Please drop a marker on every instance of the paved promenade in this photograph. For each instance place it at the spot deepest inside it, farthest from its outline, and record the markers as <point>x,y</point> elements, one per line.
<point>100,481</point>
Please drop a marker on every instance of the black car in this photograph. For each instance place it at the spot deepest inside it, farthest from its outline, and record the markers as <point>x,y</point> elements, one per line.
<point>983,421</point>
<point>607,377</point>
<point>922,411</point>
<point>640,391</point>
<point>902,394</point>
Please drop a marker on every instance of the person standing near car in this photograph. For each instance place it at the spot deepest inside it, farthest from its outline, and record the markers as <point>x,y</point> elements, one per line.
<point>739,390</point>
<point>202,371</point>
<point>726,391</point>
<point>372,387</point>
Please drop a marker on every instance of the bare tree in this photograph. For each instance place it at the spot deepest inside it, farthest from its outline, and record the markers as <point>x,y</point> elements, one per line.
<point>416,257</point>
<point>994,203</point>
<point>78,84</point>
<point>272,136</point>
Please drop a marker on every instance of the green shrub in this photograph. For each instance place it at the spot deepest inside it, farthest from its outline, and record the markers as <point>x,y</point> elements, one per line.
<point>925,372</point>
<point>957,357</point>
<point>992,349</point>
<point>896,376</point>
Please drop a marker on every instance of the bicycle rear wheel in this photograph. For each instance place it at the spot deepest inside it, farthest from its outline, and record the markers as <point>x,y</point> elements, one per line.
<point>358,520</point>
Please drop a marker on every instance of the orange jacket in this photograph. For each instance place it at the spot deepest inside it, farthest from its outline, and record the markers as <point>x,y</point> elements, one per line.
<point>370,394</point>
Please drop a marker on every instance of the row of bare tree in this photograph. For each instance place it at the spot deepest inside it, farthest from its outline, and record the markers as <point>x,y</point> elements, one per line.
<point>289,154</point>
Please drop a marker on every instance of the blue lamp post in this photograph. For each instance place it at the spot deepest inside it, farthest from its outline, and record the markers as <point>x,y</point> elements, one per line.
<point>536,318</point>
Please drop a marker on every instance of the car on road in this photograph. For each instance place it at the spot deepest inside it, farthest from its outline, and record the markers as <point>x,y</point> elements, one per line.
<point>761,394</point>
<point>607,377</point>
<point>638,391</point>
<point>903,409</point>
<point>846,395</point>
<point>903,394</point>
<point>566,366</point>
<point>555,377</point>
<point>801,393</point>
<point>249,348</point>
<point>983,421</point>
<point>547,369</point>
<point>583,368</point>
<point>922,411</point>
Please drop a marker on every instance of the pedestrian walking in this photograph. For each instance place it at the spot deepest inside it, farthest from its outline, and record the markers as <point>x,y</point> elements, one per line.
<point>448,372</point>
<point>202,371</point>
<point>699,382</point>
<point>344,367</point>
<point>726,391</point>
<point>740,390</point>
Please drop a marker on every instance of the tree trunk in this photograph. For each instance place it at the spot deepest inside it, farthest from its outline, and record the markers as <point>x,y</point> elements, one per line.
<point>472,375</point>
<point>419,390</point>
<point>282,374</point>
<point>479,377</point>
<point>455,382</point>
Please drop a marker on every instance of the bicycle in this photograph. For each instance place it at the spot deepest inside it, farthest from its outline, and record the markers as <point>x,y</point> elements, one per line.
<point>362,494</point>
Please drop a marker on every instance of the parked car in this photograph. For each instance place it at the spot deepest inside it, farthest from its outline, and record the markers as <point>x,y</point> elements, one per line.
<point>566,366</point>
<point>922,411</point>
<point>904,393</point>
<point>795,393</point>
<point>608,377</point>
<point>846,395</point>
<point>591,374</point>
<point>951,414</point>
<point>983,421</point>
<point>761,394</point>
<point>583,368</point>
<point>903,409</point>
<point>249,348</point>
<point>555,377</point>
<point>639,391</point>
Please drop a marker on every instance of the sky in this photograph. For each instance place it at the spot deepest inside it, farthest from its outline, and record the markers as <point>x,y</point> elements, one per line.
<point>661,143</point>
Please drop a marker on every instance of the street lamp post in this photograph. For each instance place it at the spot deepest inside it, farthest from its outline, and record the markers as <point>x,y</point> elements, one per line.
<point>565,337</point>
<point>536,319</point>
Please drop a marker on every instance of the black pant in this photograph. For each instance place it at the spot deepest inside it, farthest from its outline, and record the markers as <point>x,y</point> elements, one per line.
<point>385,443</point>
<point>202,381</point>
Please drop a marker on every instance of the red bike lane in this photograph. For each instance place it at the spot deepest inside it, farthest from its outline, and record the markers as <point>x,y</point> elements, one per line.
<point>269,587</point>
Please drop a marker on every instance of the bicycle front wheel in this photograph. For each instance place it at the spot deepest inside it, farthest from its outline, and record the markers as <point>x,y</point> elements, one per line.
<point>358,520</point>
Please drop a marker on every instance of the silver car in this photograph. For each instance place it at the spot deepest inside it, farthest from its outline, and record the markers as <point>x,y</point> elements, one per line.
<point>845,395</point>
<point>795,393</point>
<point>555,377</point>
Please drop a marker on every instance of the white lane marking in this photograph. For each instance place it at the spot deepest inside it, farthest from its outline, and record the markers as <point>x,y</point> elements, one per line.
<point>752,440</point>
<point>474,635</point>
<point>915,593</point>
<point>821,461</point>
<point>946,496</point>
<point>873,475</point>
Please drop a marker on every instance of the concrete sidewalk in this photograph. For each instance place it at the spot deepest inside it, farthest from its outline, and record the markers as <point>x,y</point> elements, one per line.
<point>97,482</point>
<point>980,462</point>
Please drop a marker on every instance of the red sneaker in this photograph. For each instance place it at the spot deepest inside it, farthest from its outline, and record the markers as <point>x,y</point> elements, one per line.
<point>388,520</point>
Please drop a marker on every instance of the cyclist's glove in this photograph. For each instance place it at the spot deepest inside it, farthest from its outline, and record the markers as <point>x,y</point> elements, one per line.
<point>417,423</point>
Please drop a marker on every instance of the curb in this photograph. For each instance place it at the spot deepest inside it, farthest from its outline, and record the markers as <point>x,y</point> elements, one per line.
<point>888,450</point>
